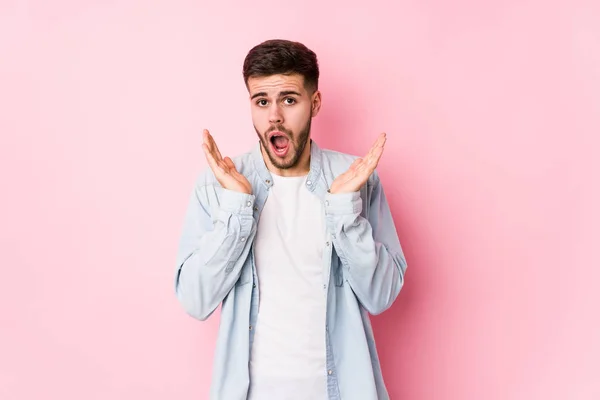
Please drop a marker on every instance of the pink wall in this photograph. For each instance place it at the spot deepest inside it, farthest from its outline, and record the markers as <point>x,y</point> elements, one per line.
<point>492,111</point>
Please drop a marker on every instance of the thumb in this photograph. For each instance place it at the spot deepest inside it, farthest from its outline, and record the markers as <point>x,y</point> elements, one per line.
<point>229,163</point>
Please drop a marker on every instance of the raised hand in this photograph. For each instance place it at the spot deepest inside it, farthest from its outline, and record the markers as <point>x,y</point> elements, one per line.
<point>223,168</point>
<point>360,170</point>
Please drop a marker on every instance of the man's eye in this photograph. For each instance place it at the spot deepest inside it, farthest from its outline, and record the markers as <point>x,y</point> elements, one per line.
<point>289,100</point>
<point>262,102</point>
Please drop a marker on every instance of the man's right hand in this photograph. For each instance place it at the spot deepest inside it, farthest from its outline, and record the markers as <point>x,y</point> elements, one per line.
<point>223,168</point>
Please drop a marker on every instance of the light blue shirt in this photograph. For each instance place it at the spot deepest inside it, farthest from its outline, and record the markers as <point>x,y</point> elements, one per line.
<point>363,272</point>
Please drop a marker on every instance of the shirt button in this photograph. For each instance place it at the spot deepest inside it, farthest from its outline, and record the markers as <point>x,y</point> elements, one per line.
<point>308,183</point>
<point>243,239</point>
<point>248,204</point>
<point>255,208</point>
<point>251,329</point>
<point>330,372</point>
<point>268,181</point>
<point>327,244</point>
<point>326,202</point>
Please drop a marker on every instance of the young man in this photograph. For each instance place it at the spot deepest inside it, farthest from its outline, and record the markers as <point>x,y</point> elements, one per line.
<point>296,243</point>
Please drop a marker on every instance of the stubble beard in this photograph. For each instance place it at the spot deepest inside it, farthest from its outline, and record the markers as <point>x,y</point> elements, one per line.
<point>297,144</point>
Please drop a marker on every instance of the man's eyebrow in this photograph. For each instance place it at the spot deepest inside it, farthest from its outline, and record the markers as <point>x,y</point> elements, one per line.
<point>259,94</point>
<point>288,92</point>
<point>281,94</point>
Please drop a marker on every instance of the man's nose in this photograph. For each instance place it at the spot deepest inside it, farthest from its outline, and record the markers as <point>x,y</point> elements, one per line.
<point>275,116</point>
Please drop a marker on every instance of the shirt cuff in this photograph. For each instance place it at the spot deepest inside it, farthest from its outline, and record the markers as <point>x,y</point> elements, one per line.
<point>343,203</point>
<point>236,202</point>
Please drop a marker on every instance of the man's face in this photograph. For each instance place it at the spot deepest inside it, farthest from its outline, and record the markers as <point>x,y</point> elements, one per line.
<point>282,110</point>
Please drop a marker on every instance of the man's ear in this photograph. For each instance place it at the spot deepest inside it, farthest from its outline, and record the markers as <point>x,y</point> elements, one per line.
<point>316,103</point>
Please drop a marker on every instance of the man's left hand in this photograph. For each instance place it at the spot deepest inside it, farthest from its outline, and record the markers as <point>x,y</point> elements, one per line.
<point>360,170</point>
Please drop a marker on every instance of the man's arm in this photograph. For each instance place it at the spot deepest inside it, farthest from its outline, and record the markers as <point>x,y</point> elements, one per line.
<point>215,243</point>
<point>218,230</point>
<point>369,249</point>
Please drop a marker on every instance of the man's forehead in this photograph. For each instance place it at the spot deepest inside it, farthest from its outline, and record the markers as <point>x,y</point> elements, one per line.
<point>274,84</point>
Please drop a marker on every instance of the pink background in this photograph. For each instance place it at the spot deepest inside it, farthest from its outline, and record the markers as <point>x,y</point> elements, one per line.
<point>492,110</point>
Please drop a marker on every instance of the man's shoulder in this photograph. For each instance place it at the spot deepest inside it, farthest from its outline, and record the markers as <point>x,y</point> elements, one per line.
<point>338,157</point>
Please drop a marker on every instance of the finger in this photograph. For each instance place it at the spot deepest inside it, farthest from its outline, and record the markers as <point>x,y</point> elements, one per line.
<point>374,158</point>
<point>377,148</point>
<point>212,163</point>
<point>377,152</point>
<point>215,148</point>
<point>365,170</point>
<point>218,167</point>
<point>355,164</point>
<point>346,176</point>
<point>212,145</point>
<point>361,167</point>
<point>231,169</point>
<point>206,139</point>
<point>229,163</point>
<point>379,142</point>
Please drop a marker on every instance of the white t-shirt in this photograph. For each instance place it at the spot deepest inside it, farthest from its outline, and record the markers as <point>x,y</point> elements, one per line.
<point>288,358</point>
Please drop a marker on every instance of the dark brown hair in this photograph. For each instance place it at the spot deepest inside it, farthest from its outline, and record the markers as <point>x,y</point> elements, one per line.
<point>282,57</point>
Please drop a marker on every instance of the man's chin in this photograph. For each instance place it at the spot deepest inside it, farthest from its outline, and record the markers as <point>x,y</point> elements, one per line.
<point>282,162</point>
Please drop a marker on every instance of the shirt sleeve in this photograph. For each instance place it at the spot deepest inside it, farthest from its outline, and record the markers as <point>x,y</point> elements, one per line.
<point>217,234</point>
<point>369,248</point>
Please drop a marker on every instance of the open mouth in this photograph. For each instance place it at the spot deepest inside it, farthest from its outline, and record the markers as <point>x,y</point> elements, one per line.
<point>280,143</point>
